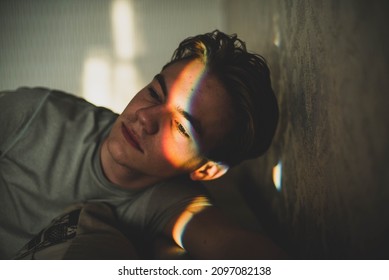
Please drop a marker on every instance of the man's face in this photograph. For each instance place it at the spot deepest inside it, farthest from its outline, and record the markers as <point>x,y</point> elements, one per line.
<point>166,128</point>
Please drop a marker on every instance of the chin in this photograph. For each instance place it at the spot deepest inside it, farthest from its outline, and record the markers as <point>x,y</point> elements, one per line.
<point>117,151</point>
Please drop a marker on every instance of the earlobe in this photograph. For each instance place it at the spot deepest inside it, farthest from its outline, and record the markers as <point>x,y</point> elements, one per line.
<point>209,171</point>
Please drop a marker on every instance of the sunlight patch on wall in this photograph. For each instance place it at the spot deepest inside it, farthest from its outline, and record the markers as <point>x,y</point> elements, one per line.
<point>123,29</point>
<point>276,31</point>
<point>96,78</point>
<point>277,175</point>
<point>112,79</point>
<point>125,80</point>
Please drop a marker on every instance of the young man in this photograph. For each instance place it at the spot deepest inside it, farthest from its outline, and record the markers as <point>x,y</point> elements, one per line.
<point>210,108</point>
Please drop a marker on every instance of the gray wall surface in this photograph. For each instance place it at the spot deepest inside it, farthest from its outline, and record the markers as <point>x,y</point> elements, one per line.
<point>330,66</point>
<point>50,42</point>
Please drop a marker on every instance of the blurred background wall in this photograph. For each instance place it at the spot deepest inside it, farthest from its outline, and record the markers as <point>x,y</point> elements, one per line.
<point>322,190</point>
<point>103,50</point>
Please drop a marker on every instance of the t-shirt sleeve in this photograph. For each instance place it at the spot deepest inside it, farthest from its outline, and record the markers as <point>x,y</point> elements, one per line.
<point>153,209</point>
<point>17,109</point>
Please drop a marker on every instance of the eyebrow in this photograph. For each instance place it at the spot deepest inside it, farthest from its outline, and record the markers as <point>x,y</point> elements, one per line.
<point>161,81</point>
<point>191,119</point>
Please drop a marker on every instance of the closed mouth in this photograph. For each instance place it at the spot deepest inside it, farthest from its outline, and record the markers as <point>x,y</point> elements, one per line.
<point>130,138</point>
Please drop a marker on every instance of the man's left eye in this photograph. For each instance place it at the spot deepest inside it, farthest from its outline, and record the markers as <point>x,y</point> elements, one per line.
<point>182,129</point>
<point>154,94</point>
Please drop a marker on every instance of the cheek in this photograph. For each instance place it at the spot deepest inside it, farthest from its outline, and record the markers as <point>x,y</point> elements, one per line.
<point>178,150</point>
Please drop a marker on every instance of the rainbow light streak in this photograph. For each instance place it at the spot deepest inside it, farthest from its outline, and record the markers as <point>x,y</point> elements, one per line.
<point>184,101</point>
<point>277,175</point>
<point>196,206</point>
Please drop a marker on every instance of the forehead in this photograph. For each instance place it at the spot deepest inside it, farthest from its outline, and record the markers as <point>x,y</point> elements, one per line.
<point>202,95</point>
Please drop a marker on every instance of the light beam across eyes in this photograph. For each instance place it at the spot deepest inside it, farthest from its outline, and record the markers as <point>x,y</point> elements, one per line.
<point>180,99</point>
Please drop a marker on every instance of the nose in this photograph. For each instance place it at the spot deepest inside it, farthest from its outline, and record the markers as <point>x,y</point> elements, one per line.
<point>149,118</point>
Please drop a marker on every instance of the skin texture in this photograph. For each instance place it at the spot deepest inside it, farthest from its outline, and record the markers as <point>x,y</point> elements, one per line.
<point>153,139</point>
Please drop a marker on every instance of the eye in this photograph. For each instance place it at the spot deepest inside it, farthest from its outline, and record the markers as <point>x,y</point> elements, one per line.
<point>154,94</point>
<point>181,129</point>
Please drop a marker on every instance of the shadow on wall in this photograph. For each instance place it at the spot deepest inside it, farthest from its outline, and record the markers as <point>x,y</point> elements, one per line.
<point>329,65</point>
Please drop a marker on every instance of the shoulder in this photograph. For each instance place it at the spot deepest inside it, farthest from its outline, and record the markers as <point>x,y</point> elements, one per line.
<point>25,100</point>
<point>156,206</point>
<point>17,109</point>
<point>27,92</point>
<point>26,97</point>
<point>25,103</point>
<point>175,191</point>
<point>22,99</point>
<point>77,109</point>
<point>182,184</point>
<point>23,108</point>
<point>172,193</point>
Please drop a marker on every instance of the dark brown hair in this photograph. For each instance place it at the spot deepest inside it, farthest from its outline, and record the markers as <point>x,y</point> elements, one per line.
<point>246,77</point>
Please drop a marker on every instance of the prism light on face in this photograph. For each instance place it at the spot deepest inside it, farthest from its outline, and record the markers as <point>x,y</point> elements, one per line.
<point>201,112</point>
<point>180,98</point>
<point>168,127</point>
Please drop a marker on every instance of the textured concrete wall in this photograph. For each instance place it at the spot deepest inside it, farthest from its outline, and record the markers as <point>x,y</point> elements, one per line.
<point>330,66</point>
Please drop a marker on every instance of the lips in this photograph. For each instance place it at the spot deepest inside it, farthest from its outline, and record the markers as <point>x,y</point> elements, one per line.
<point>130,138</point>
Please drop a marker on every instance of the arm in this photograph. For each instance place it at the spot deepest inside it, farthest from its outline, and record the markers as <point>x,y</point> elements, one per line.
<point>208,234</point>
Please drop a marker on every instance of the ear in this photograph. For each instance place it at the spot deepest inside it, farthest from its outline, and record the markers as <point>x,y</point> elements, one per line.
<point>209,171</point>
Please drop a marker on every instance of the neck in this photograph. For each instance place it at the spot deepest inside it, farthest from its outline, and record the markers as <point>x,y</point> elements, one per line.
<point>123,176</point>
